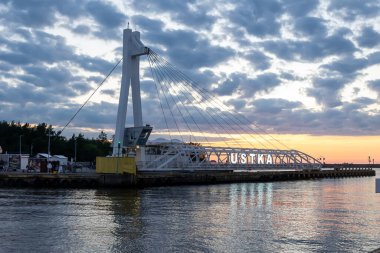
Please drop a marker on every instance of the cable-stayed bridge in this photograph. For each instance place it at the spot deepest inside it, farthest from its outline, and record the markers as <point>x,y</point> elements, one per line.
<point>203,132</point>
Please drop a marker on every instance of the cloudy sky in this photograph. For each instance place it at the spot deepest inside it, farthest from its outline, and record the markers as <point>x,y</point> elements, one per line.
<point>307,71</point>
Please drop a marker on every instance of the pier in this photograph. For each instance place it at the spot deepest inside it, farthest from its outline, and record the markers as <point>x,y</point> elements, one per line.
<point>146,179</point>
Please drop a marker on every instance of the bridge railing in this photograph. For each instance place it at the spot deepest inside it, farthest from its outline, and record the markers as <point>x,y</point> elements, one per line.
<point>188,157</point>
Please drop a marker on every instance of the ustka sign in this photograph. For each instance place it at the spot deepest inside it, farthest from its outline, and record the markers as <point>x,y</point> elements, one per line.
<point>250,158</point>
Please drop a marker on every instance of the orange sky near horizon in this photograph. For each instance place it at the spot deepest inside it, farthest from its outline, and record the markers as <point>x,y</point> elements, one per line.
<point>335,149</point>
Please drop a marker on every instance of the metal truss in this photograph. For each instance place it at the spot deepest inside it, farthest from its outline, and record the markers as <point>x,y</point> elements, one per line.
<point>179,156</point>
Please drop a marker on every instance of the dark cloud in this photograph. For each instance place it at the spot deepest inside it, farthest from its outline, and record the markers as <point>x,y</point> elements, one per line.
<point>82,29</point>
<point>347,65</point>
<point>147,24</point>
<point>187,50</point>
<point>259,18</point>
<point>39,13</point>
<point>111,93</point>
<point>204,79</point>
<point>95,79</point>
<point>365,101</point>
<point>310,26</point>
<point>300,8</point>
<point>262,83</point>
<point>375,86</point>
<point>80,88</point>
<point>44,77</point>
<point>23,93</point>
<point>238,104</point>
<point>369,37</point>
<point>229,86</point>
<point>197,17</point>
<point>105,14</point>
<point>347,120</point>
<point>191,13</point>
<point>374,58</point>
<point>259,60</point>
<point>248,87</point>
<point>93,64</point>
<point>162,6</point>
<point>326,91</point>
<point>311,50</point>
<point>40,47</point>
<point>274,105</point>
<point>352,9</point>
<point>288,76</point>
<point>96,114</point>
<point>148,89</point>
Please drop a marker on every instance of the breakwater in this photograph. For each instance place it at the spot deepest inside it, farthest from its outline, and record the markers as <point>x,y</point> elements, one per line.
<point>93,180</point>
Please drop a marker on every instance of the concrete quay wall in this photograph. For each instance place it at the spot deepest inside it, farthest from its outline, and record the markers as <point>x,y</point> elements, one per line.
<point>72,180</point>
<point>207,177</point>
<point>92,180</point>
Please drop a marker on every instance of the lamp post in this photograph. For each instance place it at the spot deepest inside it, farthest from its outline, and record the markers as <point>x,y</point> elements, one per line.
<point>75,151</point>
<point>20,144</point>
<point>48,158</point>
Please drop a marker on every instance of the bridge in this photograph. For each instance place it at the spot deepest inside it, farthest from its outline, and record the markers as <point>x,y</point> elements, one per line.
<point>204,133</point>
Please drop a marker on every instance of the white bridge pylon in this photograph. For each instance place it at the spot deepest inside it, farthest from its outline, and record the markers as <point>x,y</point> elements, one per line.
<point>133,48</point>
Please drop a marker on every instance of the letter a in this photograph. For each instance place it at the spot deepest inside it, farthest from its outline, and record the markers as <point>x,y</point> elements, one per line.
<point>269,159</point>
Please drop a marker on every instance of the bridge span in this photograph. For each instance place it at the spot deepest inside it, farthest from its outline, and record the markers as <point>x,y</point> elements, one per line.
<point>203,132</point>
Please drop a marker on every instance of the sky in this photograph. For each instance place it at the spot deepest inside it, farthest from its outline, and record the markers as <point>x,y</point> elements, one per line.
<point>306,71</point>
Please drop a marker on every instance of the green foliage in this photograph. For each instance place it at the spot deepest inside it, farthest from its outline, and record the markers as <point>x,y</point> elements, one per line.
<point>34,139</point>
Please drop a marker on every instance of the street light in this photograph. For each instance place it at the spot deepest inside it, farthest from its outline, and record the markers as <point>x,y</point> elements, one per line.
<point>20,144</point>
<point>48,159</point>
<point>75,151</point>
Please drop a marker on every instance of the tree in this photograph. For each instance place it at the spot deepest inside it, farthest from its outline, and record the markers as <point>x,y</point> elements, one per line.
<point>37,136</point>
<point>103,137</point>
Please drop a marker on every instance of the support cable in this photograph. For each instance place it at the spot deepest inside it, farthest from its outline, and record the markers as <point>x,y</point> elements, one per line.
<point>203,98</point>
<point>167,103</point>
<point>88,99</point>
<point>162,78</point>
<point>203,91</point>
<point>200,112</point>
<point>187,110</point>
<point>175,73</point>
<point>187,124</point>
<point>159,100</point>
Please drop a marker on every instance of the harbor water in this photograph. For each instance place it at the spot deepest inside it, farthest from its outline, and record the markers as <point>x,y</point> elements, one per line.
<point>324,215</point>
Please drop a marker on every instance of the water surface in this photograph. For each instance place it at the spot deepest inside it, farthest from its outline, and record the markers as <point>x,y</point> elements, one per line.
<point>334,215</point>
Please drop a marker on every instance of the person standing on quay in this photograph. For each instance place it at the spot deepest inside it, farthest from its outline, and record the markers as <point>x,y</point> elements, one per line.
<point>49,167</point>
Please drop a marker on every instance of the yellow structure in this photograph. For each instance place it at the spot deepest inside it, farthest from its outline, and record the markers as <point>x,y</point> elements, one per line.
<point>116,165</point>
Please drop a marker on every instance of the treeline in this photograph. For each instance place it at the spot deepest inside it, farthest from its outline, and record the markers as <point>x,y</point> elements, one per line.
<point>34,139</point>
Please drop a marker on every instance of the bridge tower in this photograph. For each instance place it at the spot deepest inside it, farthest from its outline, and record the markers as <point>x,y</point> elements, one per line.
<point>133,48</point>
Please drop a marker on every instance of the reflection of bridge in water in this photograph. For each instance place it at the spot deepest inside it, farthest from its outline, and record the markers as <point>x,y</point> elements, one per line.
<point>212,136</point>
